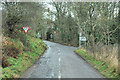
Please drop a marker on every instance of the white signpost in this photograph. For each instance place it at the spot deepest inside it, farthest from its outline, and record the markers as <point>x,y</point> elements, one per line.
<point>81,39</point>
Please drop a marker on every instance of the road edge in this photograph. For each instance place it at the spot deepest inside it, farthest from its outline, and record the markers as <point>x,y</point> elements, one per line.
<point>89,64</point>
<point>29,69</point>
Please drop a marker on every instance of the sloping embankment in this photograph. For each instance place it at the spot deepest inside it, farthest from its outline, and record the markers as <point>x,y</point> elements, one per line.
<point>17,59</point>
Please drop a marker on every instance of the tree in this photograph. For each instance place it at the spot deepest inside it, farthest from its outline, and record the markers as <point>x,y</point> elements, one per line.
<point>19,14</point>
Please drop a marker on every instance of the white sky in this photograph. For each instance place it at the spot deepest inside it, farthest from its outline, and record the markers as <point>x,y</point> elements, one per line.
<point>51,8</point>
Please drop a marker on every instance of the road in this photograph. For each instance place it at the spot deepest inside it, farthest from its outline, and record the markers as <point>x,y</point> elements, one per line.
<point>60,61</point>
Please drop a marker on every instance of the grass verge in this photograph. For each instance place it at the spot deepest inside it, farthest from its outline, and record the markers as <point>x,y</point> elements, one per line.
<point>100,66</point>
<point>24,59</point>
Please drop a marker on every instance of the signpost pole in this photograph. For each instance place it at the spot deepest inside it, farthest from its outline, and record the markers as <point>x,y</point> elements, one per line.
<point>26,40</point>
<point>80,40</point>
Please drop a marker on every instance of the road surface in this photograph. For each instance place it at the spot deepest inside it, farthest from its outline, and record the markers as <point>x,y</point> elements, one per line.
<point>60,61</point>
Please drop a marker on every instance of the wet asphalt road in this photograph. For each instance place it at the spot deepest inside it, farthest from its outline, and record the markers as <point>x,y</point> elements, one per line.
<point>60,61</point>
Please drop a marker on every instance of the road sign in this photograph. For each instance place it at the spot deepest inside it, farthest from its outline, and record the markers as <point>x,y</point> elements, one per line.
<point>83,39</point>
<point>80,34</point>
<point>26,29</point>
<point>54,32</point>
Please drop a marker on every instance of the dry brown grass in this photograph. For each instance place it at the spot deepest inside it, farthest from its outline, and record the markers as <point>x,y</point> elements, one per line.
<point>108,54</point>
<point>9,49</point>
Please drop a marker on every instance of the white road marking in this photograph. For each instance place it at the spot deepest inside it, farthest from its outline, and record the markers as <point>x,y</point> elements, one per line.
<point>59,60</point>
<point>59,75</point>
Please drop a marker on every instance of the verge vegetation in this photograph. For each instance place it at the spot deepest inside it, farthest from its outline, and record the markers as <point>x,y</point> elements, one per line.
<point>103,67</point>
<point>16,59</point>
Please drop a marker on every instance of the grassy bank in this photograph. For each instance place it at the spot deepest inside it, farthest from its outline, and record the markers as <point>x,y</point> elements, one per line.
<point>100,66</point>
<point>17,59</point>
